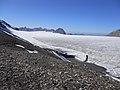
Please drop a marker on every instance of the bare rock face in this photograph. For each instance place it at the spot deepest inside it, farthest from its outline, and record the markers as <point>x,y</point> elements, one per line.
<point>60,30</point>
<point>115,33</point>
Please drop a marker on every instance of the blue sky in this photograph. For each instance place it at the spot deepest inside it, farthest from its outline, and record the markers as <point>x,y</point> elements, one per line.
<point>75,16</point>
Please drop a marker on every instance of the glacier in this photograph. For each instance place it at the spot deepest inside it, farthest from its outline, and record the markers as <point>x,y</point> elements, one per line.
<point>102,50</point>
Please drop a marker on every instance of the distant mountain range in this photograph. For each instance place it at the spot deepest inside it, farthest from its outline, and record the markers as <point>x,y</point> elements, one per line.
<point>84,34</point>
<point>59,30</point>
<point>115,33</point>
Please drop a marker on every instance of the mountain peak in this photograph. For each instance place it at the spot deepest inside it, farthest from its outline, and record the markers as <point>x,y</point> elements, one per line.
<point>60,30</point>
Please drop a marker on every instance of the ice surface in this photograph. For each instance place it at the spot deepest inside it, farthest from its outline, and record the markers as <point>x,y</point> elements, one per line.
<point>103,51</point>
<point>60,56</point>
<point>26,49</point>
<point>32,51</point>
<point>19,46</point>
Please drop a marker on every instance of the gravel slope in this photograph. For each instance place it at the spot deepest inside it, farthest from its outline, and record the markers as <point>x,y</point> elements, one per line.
<point>20,70</point>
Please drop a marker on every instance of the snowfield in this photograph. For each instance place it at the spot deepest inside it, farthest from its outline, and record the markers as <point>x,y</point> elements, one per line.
<point>103,51</point>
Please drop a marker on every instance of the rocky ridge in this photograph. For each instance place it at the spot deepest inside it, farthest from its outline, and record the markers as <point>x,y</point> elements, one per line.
<point>115,33</point>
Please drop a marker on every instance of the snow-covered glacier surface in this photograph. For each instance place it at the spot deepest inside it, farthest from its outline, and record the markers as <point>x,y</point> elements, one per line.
<point>103,51</point>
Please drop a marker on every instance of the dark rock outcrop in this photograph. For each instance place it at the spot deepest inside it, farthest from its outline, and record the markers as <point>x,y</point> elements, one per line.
<point>60,30</point>
<point>3,23</point>
<point>115,33</point>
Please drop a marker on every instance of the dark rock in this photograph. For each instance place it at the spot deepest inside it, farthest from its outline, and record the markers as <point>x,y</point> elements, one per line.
<point>1,23</point>
<point>60,30</point>
<point>115,33</point>
<point>25,29</point>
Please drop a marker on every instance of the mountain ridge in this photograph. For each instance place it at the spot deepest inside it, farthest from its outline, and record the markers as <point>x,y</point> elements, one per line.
<point>115,33</point>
